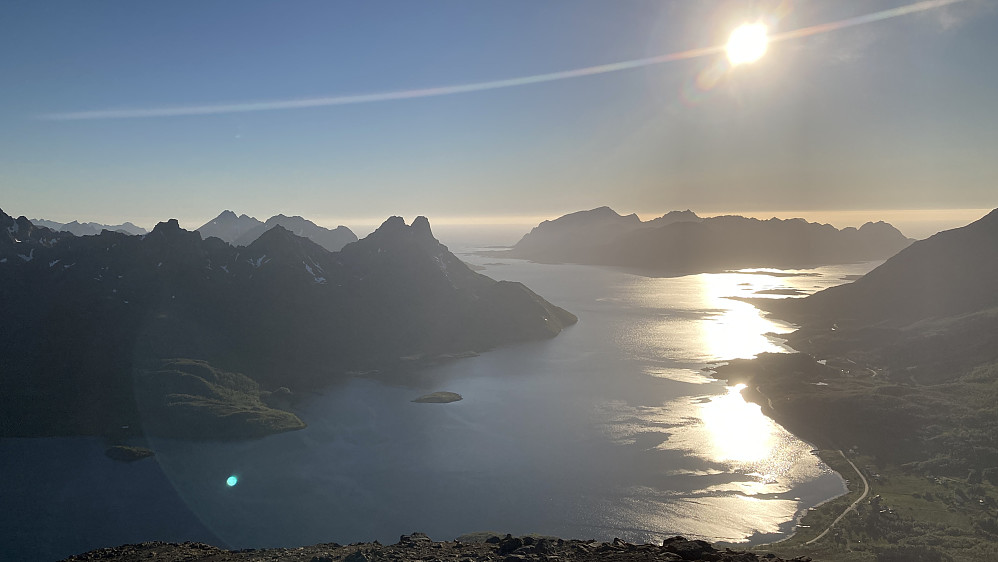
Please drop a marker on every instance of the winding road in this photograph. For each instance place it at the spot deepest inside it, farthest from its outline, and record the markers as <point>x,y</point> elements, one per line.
<point>866,490</point>
<point>866,485</point>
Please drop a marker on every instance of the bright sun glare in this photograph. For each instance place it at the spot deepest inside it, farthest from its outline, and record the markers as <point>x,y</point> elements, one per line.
<point>747,43</point>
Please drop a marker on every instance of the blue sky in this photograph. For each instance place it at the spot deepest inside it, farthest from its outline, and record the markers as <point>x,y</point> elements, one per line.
<point>896,114</point>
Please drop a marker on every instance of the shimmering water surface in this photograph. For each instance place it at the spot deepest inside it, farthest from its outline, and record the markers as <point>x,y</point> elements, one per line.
<point>612,429</point>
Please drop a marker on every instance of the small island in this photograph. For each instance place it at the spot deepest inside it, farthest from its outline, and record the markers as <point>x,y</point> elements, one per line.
<point>439,398</point>
<point>783,291</point>
<point>125,453</point>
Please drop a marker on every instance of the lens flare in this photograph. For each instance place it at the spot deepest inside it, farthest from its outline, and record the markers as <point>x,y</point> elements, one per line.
<point>232,481</point>
<point>747,43</point>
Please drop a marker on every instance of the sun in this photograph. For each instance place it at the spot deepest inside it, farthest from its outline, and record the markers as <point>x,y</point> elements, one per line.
<point>747,43</point>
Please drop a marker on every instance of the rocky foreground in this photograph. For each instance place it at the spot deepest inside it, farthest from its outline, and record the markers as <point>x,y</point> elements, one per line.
<point>418,546</point>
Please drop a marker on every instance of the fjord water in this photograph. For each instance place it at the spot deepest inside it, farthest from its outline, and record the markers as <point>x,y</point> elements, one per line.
<point>611,429</point>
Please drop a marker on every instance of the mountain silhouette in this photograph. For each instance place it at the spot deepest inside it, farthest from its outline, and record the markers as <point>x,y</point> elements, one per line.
<point>578,237</point>
<point>242,230</point>
<point>952,273</point>
<point>680,243</point>
<point>89,228</point>
<point>228,226</point>
<point>82,315</point>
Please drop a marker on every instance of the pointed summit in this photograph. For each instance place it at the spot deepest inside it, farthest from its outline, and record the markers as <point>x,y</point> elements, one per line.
<point>229,227</point>
<point>394,233</point>
<point>281,244</point>
<point>392,224</point>
<point>421,228</point>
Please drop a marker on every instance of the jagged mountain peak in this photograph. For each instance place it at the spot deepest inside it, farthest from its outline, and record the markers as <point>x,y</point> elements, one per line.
<point>21,230</point>
<point>421,227</point>
<point>167,227</point>
<point>274,235</point>
<point>286,247</point>
<point>282,217</point>
<point>244,230</point>
<point>393,222</point>
<point>395,231</point>
<point>169,233</point>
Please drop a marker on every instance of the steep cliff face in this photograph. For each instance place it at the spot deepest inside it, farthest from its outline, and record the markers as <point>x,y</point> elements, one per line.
<point>81,314</point>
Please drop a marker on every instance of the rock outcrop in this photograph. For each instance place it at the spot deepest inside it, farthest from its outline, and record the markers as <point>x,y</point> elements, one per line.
<point>419,547</point>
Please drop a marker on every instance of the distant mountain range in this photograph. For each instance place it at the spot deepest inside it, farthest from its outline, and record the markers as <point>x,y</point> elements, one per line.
<point>934,303</point>
<point>680,242</point>
<point>581,237</point>
<point>89,228</point>
<point>84,317</point>
<point>242,230</point>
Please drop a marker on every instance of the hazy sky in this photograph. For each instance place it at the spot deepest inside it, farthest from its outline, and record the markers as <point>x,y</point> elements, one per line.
<point>895,114</point>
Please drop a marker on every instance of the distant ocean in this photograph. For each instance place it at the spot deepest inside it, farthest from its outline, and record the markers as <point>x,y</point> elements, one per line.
<point>612,429</point>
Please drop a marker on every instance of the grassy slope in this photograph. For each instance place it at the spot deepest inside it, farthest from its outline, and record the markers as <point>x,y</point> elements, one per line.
<point>191,399</point>
<point>926,449</point>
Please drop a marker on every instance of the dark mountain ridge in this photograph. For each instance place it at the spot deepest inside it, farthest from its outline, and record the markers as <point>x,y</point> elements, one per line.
<point>83,314</point>
<point>951,273</point>
<point>574,237</point>
<point>330,239</point>
<point>89,228</point>
<point>932,308</point>
<point>242,230</point>
<point>228,226</point>
<point>681,243</point>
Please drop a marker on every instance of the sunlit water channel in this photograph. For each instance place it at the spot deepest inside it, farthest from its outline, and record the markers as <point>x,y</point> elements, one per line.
<point>612,429</point>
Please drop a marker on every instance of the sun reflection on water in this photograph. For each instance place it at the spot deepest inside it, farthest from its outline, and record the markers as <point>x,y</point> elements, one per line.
<point>738,330</point>
<point>738,430</point>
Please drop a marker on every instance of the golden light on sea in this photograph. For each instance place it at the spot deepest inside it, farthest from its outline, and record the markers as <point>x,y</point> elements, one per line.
<point>747,43</point>
<point>739,431</point>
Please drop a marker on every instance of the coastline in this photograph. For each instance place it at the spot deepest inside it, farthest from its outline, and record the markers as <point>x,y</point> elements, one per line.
<point>902,503</point>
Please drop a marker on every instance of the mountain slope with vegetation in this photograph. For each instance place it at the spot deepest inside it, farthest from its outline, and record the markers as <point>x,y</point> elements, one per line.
<point>908,388</point>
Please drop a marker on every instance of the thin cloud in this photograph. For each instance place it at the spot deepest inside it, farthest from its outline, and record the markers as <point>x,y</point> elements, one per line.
<point>216,109</point>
